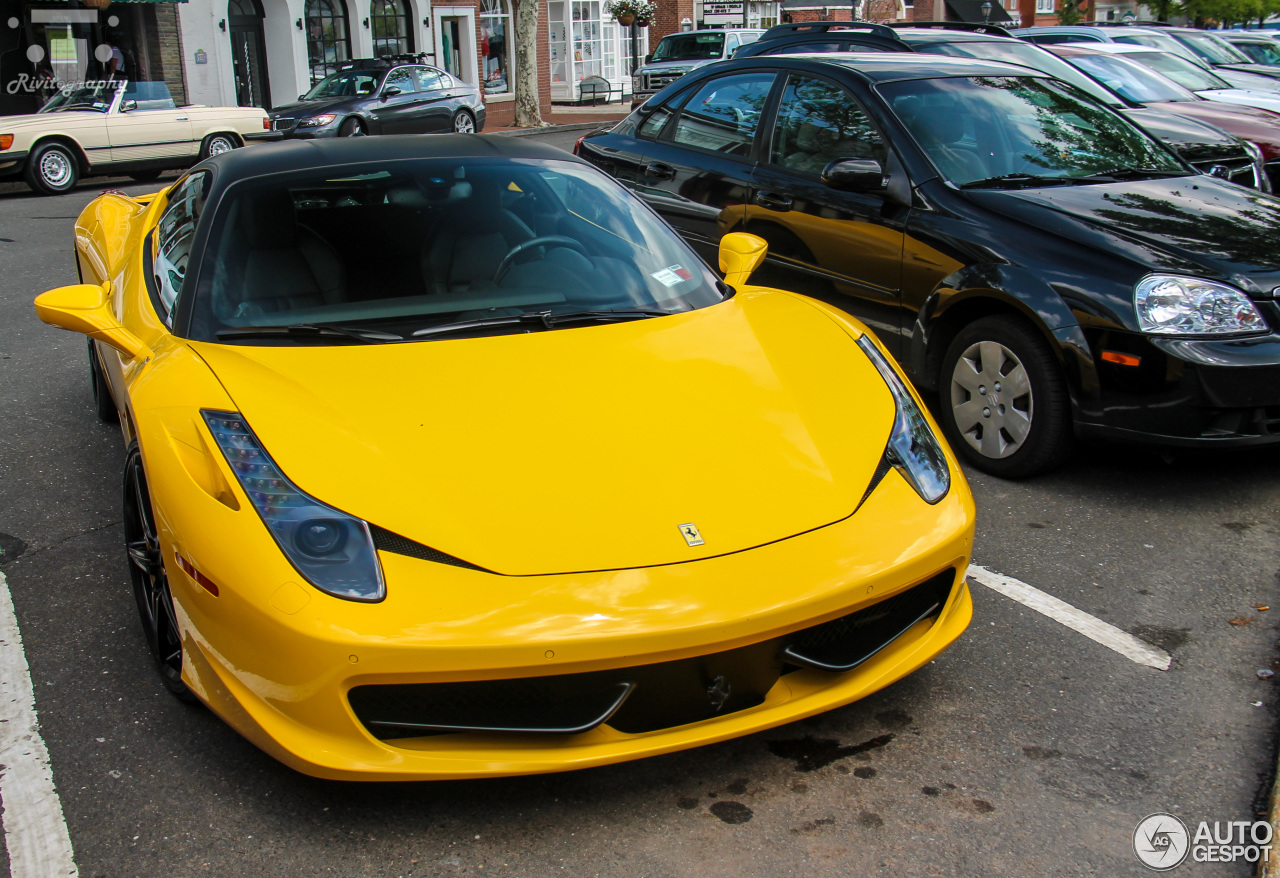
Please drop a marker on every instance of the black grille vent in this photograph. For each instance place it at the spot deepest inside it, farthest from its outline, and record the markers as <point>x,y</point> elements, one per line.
<point>392,542</point>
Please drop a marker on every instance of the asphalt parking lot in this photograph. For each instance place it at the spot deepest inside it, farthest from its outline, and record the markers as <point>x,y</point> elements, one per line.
<point>1026,749</point>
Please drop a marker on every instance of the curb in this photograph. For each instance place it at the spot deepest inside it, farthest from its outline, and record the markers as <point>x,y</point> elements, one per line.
<point>550,129</point>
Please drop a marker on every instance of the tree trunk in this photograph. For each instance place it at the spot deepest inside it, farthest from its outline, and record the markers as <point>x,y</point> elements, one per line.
<point>528,102</point>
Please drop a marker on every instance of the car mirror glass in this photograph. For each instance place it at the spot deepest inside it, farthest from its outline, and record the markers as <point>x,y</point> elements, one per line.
<point>128,105</point>
<point>740,255</point>
<point>390,91</point>
<point>854,175</point>
<point>83,308</point>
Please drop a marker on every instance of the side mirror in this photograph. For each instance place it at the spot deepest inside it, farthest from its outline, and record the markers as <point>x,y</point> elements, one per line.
<point>390,92</point>
<point>83,308</point>
<point>648,59</point>
<point>854,175</point>
<point>740,255</point>
<point>128,105</point>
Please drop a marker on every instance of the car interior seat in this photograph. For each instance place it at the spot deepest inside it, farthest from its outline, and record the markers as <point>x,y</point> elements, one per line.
<point>465,251</point>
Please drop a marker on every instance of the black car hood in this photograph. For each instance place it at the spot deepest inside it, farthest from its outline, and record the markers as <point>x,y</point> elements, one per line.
<point>1190,225</point>
<point>302,109</point>
<point>1195,142</point>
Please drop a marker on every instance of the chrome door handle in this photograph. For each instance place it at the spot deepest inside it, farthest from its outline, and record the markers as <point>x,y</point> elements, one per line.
<point>659,170</point>
<point>182,118</point>
<point>772,201</point>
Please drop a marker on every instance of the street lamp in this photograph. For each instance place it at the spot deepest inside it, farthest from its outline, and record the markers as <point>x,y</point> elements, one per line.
<point>986,12</point>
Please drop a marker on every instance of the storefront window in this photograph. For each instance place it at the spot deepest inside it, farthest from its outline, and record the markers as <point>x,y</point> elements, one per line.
<point>495,26</point>
<point>585,42</point>
<point>390,23</point>
<point>327,43</point>
<point>762,14</point>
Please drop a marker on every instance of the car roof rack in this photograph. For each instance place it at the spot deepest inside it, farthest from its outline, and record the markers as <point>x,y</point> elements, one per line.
<point>994,30</point>
<point>822,27</point>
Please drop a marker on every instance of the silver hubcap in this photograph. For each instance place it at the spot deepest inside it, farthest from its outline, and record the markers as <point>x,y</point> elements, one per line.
<point>219,145</point>
<point>991,399</point>
<point>355,131</point>
<point>55,168</point>
<point>463,124</point>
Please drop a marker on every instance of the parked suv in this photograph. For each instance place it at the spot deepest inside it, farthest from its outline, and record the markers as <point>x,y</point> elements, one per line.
<point>398,95</point>
<point>1046,266</point>
<point>1208,148</point>
<point>679,53</point>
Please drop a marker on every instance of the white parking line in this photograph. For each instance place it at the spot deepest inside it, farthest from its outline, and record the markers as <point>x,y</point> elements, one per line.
<point>35,833</point>
<point>1078,620</point>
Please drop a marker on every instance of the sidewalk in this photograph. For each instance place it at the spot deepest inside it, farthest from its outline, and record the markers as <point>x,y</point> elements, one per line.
<point>571,114</point>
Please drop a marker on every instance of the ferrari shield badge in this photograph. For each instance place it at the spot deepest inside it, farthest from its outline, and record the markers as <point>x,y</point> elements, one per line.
<point>691,534</point>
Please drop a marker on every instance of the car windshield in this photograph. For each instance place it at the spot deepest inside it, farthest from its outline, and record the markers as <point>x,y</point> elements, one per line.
<point>1260,52</point>
<point>1026,55</point>
<point>1139,84</point>
<point>1212,49</point>
<point>347,83</point>
<point>1180,70</point>
<point>91,96</point>
<point>1016,130</point>
<point>689,47</point>
<point>1154,41</point>
<point>437,247</point>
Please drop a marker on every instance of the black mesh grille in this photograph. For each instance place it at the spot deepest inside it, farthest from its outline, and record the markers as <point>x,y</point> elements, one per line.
<point>653,696</point>
<point>844,643</point>
<point>391,542</point>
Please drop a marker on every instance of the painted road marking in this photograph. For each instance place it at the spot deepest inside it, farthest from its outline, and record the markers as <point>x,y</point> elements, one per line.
<point>35,832</point>
<point>1078,620</point>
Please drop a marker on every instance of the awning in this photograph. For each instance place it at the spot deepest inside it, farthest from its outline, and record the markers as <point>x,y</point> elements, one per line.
<point>971,11</point>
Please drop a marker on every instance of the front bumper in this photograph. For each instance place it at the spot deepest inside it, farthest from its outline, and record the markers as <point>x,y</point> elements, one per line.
<point>1186,393</point>
<point>276,659</point>
<point>12,163</point>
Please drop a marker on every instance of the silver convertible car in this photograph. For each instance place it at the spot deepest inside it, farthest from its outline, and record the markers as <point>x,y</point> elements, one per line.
<point>119,127</point>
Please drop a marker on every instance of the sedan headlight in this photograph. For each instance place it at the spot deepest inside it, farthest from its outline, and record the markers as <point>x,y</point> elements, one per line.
<point>913,450</point>
<point>332,550</point>
<point>317,121</point>
<point>1172,305</point>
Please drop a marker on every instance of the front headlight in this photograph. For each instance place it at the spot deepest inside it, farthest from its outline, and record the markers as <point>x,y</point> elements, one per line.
<point>913,450</point>
<point>332,550</point>
<point>317,121</point>
<point>1172,305</point>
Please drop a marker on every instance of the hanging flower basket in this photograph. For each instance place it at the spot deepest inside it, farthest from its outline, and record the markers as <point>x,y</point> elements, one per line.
<point>627,12</point>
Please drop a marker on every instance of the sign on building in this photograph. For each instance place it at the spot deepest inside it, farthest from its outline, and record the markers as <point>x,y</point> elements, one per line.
<point>724,13</point>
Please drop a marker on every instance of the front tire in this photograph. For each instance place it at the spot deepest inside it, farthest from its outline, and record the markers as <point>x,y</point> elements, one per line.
<point>464,122</point>
<point>52,168</point>
<point>217,144</point>
<point>150,581</point>
<point>1003,399</point>
<point>103,404</point>
<point>352,127</point>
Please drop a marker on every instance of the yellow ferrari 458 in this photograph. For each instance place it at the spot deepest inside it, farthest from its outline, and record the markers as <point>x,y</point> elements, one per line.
<point>449,459</point>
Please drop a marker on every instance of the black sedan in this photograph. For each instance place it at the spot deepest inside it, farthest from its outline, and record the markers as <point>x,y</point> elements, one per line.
<point>383,96</point>
<point>1044,264</point>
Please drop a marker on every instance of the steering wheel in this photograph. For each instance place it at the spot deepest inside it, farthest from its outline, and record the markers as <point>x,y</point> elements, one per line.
<point>541,241</point>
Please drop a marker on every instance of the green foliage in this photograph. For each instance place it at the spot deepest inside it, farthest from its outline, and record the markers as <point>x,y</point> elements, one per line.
<point>1224,12</point>
<point>1069,12</point>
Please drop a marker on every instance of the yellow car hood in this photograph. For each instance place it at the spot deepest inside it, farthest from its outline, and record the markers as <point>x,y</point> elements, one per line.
<point>584,448</point>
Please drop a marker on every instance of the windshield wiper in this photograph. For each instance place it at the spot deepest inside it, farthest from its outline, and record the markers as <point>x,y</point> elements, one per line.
<point>307,330</point>
<point>1131,174</point>
<point>1016,180</point>
<point>544,319</point>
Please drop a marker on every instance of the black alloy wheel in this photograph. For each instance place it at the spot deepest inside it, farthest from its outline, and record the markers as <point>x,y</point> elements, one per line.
<point>1003,400</point>
<point>103,404</point>
<point>150,582</point>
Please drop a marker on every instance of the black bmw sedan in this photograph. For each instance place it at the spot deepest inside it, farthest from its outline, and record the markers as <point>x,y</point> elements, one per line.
<point>383,96</point>
<point>1049,268</point>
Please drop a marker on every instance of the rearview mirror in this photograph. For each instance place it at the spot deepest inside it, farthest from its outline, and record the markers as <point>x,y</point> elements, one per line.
<point>740,255</point>
<point>83,308</point>
<point>854,175</point>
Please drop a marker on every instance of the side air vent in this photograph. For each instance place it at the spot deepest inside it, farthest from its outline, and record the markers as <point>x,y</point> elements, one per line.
<point>387,541</point>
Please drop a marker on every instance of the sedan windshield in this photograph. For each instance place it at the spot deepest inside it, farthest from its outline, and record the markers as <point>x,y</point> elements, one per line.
<point>1139,84</point>
<point>95,96</point>
<point>348,83</point>
<point>689,47</point>
<point>1212,49</point>
<point>1025,55</point>
<point>437,249</point>
<point>1260,52</point>
<point>1180,70</point>
<point>995,131</point>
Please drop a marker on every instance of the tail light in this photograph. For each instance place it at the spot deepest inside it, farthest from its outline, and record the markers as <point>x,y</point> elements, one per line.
<point>266,124</point>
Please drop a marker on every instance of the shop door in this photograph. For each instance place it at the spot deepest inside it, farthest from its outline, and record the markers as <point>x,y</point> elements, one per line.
<point>451,43</point>
<point>248,57</point>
